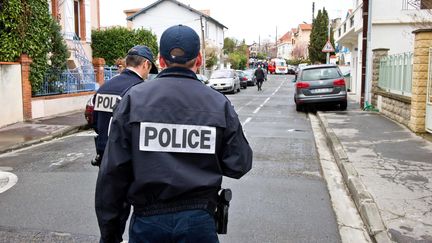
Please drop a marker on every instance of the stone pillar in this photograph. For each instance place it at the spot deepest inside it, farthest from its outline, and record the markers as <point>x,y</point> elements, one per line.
<point>423,40</point>
<point>98,64</point>
<point>377,55</point>
<point>25,61</point>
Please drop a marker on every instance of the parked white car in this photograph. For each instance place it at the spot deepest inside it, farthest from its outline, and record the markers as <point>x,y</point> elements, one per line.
<point>225,80</point>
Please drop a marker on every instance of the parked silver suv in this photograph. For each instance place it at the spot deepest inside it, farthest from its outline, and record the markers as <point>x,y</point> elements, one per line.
<point>320,84</point>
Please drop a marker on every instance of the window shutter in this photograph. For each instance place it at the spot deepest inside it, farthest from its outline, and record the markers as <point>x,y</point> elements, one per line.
<point>88,18</point>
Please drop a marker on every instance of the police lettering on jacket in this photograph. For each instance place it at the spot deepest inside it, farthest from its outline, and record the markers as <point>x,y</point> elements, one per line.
<point>163,137</point>
<point>105,102</point>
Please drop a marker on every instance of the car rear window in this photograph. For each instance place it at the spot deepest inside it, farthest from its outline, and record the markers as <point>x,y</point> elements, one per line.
<point>320,74</point>
<point>222,74</point>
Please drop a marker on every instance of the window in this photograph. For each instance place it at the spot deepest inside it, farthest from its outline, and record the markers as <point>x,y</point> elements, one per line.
<point>320,74</point>
<point>77,17</point>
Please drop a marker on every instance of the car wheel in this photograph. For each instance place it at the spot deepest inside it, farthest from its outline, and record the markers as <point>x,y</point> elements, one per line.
<point>343,105</point>
<point>299,107</point>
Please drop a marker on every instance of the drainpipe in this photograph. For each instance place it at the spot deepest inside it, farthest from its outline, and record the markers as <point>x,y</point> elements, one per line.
<point>364,51</point>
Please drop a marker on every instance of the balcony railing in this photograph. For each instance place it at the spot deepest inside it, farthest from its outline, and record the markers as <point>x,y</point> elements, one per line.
<point>416,4</point>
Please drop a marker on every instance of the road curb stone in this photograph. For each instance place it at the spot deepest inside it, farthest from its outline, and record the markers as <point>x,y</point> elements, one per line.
<point>60,133</point>
<point>365,203</point>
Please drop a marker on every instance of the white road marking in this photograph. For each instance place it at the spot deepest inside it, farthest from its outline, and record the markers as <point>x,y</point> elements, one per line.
<point>246,121</point>
<point>69,158</point>
<point>268,98</point>
<point>7,180</point>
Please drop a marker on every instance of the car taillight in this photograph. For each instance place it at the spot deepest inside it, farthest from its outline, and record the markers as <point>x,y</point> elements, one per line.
<point>339,82</point>
<point>302,85</point>
<point>244,78</point>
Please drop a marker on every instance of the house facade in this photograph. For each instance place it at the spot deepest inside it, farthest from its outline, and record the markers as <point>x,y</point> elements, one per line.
<point>154,18</point>
<point>393,22</point>
<point>301,41</point>
<point>285,46</point>
<point>77,19</point>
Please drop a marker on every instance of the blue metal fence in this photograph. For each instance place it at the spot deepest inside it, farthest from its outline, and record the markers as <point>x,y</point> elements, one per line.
<point>69,81</point>
<point>110,72</point>
<point>395,73</point>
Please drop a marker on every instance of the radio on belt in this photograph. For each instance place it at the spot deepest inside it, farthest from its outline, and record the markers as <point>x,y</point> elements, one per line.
<point>163,137</point>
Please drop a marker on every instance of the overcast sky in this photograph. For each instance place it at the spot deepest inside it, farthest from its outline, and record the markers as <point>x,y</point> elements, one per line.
<point>245,19</point>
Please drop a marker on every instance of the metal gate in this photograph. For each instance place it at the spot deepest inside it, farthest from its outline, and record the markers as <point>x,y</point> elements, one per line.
<point>429,95</point>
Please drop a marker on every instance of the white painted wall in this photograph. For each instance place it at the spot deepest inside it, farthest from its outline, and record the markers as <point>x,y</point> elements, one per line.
<point>10,94</point>
<point>167,14</point>
<point>284,50</point>
<point>51,107</point>
<point>397,38</point>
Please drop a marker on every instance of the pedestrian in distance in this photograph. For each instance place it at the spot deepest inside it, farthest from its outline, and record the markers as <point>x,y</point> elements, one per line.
<point>259,76</point>
<point>139,63</point>
<point>171,141</point>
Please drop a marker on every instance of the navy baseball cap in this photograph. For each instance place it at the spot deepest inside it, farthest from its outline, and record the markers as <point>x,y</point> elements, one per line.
<point>182,37</point>
<point>145,52</point>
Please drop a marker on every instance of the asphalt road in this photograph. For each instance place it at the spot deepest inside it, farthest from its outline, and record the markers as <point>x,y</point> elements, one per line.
<point>283,199</point>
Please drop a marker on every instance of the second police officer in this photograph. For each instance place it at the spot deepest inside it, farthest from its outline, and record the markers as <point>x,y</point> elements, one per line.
<point>139,63</point>
<point>171,141</point>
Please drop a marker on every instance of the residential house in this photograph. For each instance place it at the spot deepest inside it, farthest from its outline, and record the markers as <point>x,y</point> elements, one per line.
<point>77,19</point>
<point>392,24</point>
<point>397,80</point>
<point>253,50</point>
<point>154,17</point>
<point>301,41</point>
<point>285,46</point>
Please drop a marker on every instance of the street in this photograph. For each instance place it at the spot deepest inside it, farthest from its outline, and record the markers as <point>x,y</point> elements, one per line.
<point>284,198</point>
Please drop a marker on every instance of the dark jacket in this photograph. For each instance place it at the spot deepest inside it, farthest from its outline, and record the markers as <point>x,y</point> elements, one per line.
<point>171,141</point>
<point>105,99</point>
<point>259,74</point>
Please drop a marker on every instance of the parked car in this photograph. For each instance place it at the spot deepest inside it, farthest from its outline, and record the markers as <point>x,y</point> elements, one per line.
<point>320,84</point>
<point>291,69</point>
<point>203,79</point>
<point>243,79</point>
<point>225,80</point>
<point>250,76</point>
<point>88,112</point>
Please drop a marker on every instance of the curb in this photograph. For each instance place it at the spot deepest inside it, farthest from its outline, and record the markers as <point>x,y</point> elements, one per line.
<point>56,134</point>
<point>363,200</point>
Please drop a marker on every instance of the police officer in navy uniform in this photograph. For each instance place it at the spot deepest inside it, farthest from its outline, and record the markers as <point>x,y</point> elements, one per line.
<point>139,63</point>
<point>171,141</point>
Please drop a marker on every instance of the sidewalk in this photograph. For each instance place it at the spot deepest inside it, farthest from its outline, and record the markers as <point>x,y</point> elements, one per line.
<point>24,134</point>
<point>388,170</point>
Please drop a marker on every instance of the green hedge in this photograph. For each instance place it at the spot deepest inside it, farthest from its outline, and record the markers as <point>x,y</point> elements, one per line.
<point>113,43</point>
<point>27,27</point>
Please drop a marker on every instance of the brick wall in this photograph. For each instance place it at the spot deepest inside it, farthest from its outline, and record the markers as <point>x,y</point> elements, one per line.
<point>394,106</point>
<point>376,57</point>
<point>423,40</point>
<point>25,61</point>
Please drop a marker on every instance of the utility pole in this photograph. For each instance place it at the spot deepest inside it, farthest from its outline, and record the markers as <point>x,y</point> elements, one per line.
<point>276,46</point>
<point>313,12</point>
<point>369,55</point>
<point>328,39</point>
<point>203,46</point>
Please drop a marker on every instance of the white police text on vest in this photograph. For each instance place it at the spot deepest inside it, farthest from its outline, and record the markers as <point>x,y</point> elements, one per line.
<point>163,137</point>
<point>105,102</point>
